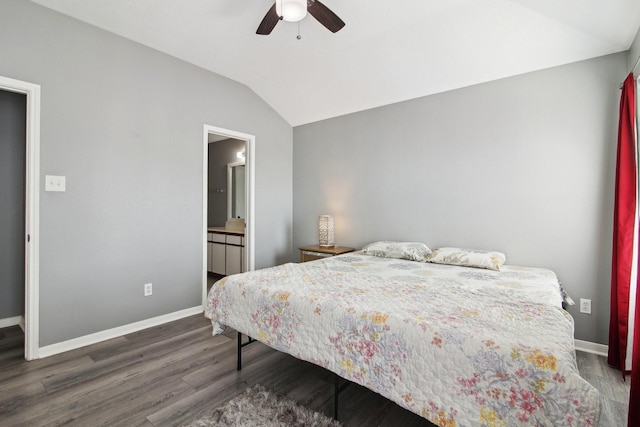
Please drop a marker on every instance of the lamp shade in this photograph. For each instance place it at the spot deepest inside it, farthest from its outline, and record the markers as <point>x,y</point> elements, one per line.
<point>325,230</point>
<point>291,10</point>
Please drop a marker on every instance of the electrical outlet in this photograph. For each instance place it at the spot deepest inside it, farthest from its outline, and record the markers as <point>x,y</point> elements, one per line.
<point>55,183</point>
<point>148,289</point>
<point>585,306</point>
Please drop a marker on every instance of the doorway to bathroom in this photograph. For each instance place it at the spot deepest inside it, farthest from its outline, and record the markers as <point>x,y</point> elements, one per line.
<point>228,204</point>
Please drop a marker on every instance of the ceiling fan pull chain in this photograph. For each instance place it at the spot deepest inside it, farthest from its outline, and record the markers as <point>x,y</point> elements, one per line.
<point>299,36</point>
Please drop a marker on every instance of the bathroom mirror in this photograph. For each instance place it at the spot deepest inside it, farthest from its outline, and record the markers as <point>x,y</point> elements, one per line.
<point>236,190</point>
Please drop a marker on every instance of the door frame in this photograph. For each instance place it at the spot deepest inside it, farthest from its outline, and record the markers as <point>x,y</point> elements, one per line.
<point>250,159</point>
<point>32,214</point>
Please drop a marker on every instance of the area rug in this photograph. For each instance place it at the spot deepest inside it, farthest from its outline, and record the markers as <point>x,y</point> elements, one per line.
<point>257,406</point>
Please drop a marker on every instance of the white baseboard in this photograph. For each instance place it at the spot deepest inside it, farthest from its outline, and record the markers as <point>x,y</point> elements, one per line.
<point>590,347</point>
<point>11,321</point>
<point>61,347</point>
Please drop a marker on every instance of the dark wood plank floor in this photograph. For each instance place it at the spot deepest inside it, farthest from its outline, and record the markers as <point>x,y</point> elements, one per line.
<point>169,374</point>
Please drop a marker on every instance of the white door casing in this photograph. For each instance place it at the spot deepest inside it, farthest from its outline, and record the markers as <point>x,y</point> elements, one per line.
<point>249,250</point>
<point>32,213</point>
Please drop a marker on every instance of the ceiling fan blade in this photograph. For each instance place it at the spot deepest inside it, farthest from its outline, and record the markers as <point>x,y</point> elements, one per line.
<point>268,22</point>
<point>325,16</point>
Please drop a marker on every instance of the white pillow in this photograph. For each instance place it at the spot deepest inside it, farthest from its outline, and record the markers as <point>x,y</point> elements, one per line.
<point>491,260</point>
<point>413,251</point>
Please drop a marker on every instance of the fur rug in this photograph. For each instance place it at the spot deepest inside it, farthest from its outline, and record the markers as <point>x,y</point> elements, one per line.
<point>257,406</point>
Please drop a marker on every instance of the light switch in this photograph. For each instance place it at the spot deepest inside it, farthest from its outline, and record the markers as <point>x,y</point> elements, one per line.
<point>55,183</point>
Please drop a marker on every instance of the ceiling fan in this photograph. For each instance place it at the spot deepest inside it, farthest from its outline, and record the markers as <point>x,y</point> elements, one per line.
<point>296,10</point>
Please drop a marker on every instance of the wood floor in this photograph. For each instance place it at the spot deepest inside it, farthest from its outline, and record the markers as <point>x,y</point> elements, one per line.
<point>169,374</point>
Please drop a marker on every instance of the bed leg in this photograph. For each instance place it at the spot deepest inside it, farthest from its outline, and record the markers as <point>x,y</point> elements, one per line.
<point>240,345</point>
<point>336,392</point>
<point>239,362</point>
<point>337,389</point>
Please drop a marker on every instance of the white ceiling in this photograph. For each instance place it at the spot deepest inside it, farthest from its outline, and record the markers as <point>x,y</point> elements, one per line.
<point>389,51</point>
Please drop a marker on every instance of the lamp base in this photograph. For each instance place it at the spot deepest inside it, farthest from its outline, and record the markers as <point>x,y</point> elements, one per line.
<point>326,246</point>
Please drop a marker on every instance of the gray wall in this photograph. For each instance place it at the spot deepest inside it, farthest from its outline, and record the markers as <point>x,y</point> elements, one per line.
<point>124,124</point>
<point>523,165</point>
<point>13,134</point>
<point>220,153</point>
<point>634,54</point>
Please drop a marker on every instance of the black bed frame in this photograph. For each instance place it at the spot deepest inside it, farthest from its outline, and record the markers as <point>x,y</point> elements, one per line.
<point>337,388</point>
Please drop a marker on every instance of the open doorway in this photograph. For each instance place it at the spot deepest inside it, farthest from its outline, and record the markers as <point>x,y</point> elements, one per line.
<point>228,206</point>
<point>31,190</point>
<point>13,135</point>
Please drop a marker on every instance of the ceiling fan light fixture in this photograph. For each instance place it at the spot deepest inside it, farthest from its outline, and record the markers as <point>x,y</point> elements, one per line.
<point>291,10</point>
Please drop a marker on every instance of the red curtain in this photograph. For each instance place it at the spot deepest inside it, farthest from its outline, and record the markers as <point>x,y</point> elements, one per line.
<point>624,212</point>
<point>634,397</point>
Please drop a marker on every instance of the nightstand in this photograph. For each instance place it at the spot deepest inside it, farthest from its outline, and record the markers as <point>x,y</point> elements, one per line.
<point>310,253</point>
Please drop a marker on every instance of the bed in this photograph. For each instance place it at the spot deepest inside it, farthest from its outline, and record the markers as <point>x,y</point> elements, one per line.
<point>459,346</point>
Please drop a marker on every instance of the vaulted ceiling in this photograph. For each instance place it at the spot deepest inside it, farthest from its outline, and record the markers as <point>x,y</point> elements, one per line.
<point>389,51</point>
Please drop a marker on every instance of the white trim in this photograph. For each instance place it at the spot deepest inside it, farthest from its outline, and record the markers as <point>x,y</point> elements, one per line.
<point>32,213</point>
<point>10,321</point>
<point>249,246</point>
<point>21,323</point>
<point>591,347</point>
<point>97,337</point>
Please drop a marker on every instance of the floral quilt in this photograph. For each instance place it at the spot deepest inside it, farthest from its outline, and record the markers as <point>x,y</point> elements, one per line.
<point>459,346</point>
